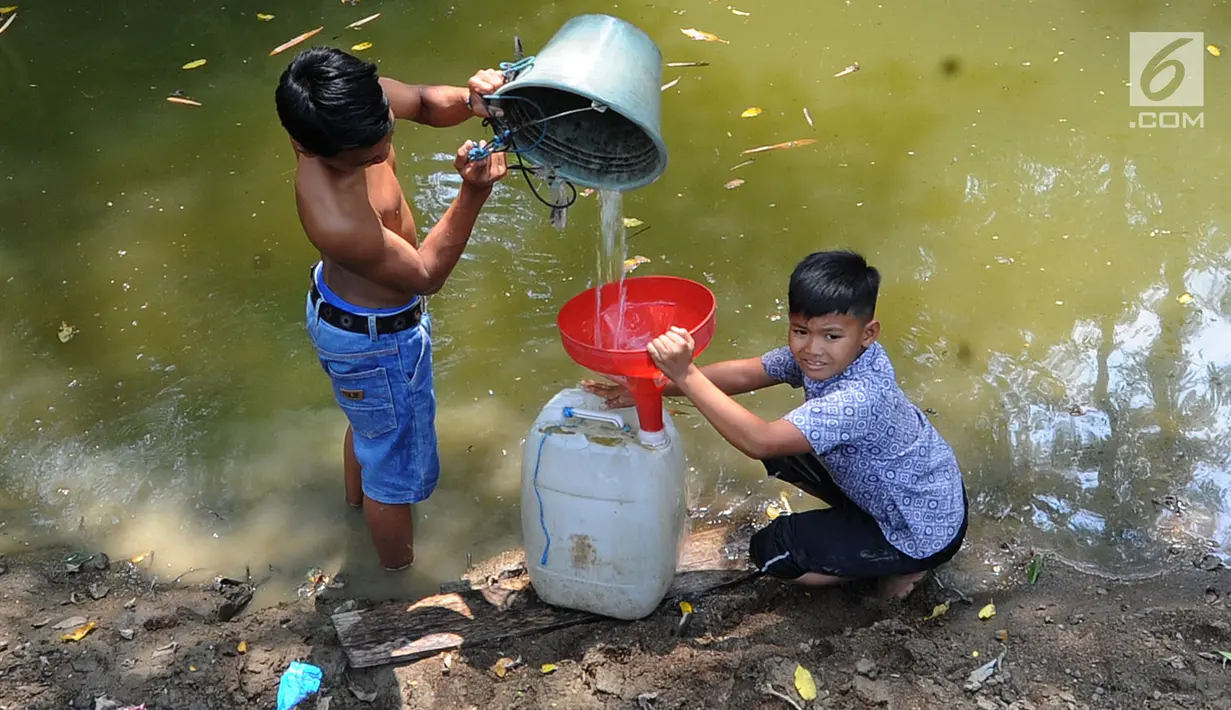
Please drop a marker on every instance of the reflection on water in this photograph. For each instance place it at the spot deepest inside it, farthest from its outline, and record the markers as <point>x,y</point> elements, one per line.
<point>1055,285</point>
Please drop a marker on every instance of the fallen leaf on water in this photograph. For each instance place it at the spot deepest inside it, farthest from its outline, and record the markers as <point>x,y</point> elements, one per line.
<point>987,612</point>
<point>361,46</point>
<point>587,192</point>
<point>8,22</point>
<point>79,633</point>
<point>264,17</point>
<point>772,512</point>
<point>849,70</point>
<point>242,647</point>
<point>688,64</point>
<point>630,222</point>
<point>194,64</point>
<point>685,607</point>
<point>741,13</point>
<point>1213,50</point>
<point>804,683</point>
<point>1185,298</point>
<point>631,263</point>
<point>749,113</point>
<point>732,184</point>
<point>501,667</point>
<point>938,610</point>
<point>703,36</point>
<point>670,84</point>
<point>808,116</point>
<point>780,146</point>
<point>291,43</point>
<point>548,668</point>
<point>7,10</point>
<point>182,100</point>
<point>360,23</point>
<point>66,332</point>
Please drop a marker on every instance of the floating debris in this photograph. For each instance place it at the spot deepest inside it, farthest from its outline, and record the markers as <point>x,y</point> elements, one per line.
<point>849,70</point>
<point>66,332</point>
<point>670,84</point>
<point>1185,298</point>
<point>1213,50</point>
<point>361,47</point>
<point>744,164</point>
<point>703,36</point>
<point>808,116</point>
<point>688,64</point>
<point>631,222</point>
<point>7,10</point>
<point>292,42</point>
<point>195,64</point>
<point>750,112</point>
<point>741,13</point>
<point>360,23</point>
<point>183,101</point>
<point>263,17</point>
<point>632,263</point>
<point>780,146</point>
<point>732,184</point>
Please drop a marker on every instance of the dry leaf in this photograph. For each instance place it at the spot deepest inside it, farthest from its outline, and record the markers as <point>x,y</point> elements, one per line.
<point>670,84</point>
<point>849,70</point>
<point>741,13</point>
<point>688,64</point>
<point>732,184</point>
<point>804,683</point>
<point>780,146</point>
<point>361,46</point>
<point>938,610</point>
<point>987,612</point>
<point>194,64</point>
<point>140,558</point>
<point>1185,298</point>
<point>242,647</point>
<point>291,43</point>
<point>548,668</point>
<point>8,22</point>
<point>182,100</point>
<point>501,666</point>
<point>633,262</point>
<point>263,17</point>
<point>1213,50</point>
<point>772,512</point>
<point>66,332</point>
<point>749,113</point>
<point>7,10</point>
<point>631,222</point>
<point>80,633</point>
<point>703,36</point>
<point>686,607</point>
<point>808,116</point>
<point>360,23</point>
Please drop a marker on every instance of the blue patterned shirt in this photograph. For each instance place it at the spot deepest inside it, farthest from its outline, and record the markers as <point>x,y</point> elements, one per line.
<point>880,449</point>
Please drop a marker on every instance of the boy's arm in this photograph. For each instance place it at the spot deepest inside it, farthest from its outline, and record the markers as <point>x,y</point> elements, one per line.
<point>732,377</point>
<point>440,106</point>
<point>747,432</point>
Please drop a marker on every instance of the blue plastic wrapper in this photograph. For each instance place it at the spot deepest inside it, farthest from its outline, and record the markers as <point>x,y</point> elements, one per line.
<point>298,682</point>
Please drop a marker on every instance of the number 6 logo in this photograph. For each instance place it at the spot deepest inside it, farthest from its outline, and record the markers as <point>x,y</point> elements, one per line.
<point>1166,69</point>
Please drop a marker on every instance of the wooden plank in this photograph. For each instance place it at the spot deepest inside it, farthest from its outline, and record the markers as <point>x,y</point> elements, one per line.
<point>711,557</point>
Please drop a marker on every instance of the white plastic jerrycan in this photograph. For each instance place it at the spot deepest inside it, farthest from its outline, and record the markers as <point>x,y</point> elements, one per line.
<point>603,514</point>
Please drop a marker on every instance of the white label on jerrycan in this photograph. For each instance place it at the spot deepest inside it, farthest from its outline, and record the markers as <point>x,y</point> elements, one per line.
<point>602,513</point>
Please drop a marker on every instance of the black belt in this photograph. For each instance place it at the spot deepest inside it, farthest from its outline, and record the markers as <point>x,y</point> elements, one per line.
<point>355,323</point>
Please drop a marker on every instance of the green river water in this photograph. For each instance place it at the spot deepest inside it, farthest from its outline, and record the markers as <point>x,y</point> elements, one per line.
<point>1055,282</point>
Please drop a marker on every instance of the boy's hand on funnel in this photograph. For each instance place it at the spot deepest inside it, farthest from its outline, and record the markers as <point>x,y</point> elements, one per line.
<point>615,396</point>
<point>483,83</point>
<point>672,352</point>
<point>483,173</point>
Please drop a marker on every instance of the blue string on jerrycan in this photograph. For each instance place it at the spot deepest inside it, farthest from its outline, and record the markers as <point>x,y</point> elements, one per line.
<point>585,110</point>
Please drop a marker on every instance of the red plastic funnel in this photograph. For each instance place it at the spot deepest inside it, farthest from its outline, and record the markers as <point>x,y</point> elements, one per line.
<point>616,348</point>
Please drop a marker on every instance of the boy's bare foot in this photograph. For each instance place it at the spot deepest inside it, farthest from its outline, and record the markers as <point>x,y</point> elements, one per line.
<point>898,587</point>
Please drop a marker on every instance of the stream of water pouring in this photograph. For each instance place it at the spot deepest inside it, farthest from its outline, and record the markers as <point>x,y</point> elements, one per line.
<point>611,255</point>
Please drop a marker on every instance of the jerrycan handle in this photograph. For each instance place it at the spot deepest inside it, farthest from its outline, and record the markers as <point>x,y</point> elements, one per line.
<point>610,417</point>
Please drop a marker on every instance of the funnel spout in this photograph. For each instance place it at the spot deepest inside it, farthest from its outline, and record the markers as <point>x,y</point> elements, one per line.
<point>648,398</point>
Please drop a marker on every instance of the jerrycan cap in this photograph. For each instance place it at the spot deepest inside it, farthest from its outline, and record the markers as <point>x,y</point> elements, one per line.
<point>653,439</point>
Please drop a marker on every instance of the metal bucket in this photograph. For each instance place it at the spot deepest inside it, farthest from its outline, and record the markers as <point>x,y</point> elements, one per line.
<point>588,105</point>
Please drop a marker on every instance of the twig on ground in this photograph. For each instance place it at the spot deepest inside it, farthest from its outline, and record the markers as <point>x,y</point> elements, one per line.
<point>769,690</point>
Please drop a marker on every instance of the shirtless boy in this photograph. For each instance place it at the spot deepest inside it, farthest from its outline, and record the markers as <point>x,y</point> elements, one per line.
<point>365,306</point>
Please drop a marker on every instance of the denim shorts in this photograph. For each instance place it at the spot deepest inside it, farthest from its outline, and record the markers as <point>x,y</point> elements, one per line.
<point>383,384</point>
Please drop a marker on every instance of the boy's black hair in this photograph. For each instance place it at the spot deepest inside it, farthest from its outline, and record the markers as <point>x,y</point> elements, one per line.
<point>330,101</point>
<point>828,282</point>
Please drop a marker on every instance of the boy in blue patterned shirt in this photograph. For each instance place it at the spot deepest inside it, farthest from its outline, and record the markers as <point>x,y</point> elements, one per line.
<point>896,497</point>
